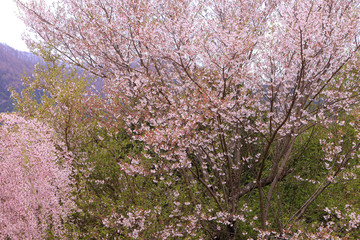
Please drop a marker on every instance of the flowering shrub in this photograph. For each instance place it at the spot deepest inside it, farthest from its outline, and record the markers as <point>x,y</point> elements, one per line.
<point>34,180</point>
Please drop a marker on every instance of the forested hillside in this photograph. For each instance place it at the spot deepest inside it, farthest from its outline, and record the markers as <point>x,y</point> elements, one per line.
<point>13,64</point>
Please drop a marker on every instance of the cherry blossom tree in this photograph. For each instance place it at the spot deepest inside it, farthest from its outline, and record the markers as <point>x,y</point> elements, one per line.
<point>34,180</point>
<point>227,93</point>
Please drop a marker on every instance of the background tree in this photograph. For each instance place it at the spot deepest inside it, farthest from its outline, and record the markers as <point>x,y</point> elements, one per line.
<point>58,94</point>
<point>228,95</point>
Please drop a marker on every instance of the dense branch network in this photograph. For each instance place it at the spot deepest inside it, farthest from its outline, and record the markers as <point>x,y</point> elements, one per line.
<point>221,91</point>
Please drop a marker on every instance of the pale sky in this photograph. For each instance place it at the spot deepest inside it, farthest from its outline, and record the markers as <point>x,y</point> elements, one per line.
<point>11,28</point>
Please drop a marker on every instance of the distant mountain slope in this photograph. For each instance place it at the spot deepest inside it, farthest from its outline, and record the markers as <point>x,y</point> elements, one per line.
<point>13,64</point>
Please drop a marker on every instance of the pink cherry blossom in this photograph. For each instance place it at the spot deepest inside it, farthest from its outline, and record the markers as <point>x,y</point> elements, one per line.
<point>34,180</point>
<point>221,91</point>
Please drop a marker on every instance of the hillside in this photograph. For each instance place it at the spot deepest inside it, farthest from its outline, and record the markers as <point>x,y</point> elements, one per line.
<point>13,64</point>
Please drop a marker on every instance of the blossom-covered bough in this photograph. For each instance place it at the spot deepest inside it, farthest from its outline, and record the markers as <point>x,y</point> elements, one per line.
<point>34,180</point>
<point>227,93</point>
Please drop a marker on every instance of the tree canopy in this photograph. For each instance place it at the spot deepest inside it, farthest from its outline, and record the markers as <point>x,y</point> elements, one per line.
<point>237,105</point>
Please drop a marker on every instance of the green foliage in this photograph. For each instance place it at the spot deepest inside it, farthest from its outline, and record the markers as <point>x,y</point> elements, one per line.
<point>106,194</point>
<point>58,95</point>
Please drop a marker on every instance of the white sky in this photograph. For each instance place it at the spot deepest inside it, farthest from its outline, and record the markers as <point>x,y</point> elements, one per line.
<point>11,28</point>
